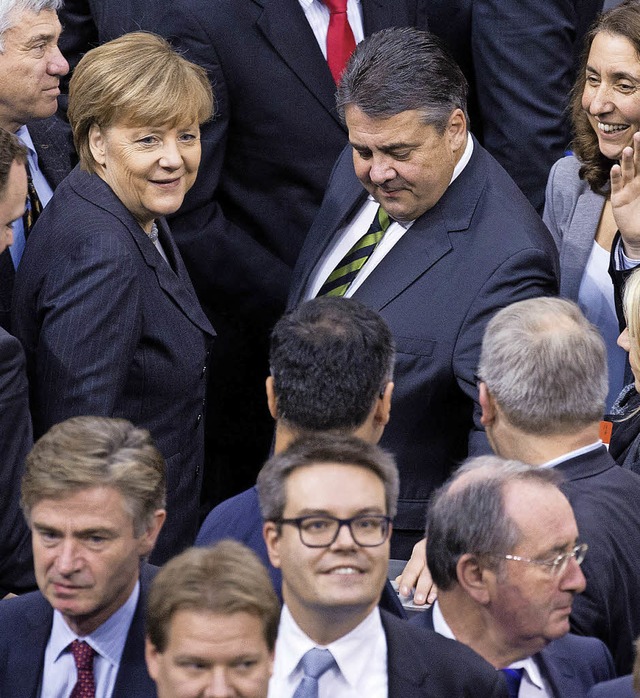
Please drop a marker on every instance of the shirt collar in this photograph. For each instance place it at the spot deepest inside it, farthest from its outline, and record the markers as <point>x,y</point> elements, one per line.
<point>530,666</point>
<point>24,137</point>
<point>350,651</point>
<point>572,454</point>
<point>107,640</point>
<point>464,160</point>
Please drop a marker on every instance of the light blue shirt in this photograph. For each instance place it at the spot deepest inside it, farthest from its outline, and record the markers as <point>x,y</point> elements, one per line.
<point>43,190</point>
<point>59,673</point>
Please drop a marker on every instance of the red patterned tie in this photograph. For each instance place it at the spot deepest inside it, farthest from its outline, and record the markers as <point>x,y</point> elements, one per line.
<point>340,41</point>
<point>83,656</point>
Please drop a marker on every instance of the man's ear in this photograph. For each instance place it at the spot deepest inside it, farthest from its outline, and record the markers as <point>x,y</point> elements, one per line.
<point>383,406</point>
<point>457,130</point>
<point>472,577</point>
<point>148,539</point>
<point>271,534</point>
<point>488,405</point>
<point>272,401</point>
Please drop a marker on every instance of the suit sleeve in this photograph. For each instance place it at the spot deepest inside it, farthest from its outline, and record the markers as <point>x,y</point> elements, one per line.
<point>90,325</point>
<point>16,439</point>
<point>529,273</point>
<point>523,55</point>
<point>222,258</point>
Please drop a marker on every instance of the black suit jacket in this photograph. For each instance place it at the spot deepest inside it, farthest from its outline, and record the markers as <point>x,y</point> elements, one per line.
<point>25,626</point>
<point>521,60</point>
<point>480,248</point>
<point>16,439</point>
<point>109,328</point>
<point>56,158</point>
<point>423,664</point>
<point>605,499</point>
<point>571,664</point>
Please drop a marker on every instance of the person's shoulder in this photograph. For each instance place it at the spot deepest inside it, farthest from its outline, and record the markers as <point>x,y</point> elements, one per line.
<point>237,517</point>
<point>617,688</point>
<point>16,609</point>
<point>581,650</point>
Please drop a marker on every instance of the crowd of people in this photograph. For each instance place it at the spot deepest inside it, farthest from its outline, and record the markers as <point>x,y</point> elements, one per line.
<point>280,282</point>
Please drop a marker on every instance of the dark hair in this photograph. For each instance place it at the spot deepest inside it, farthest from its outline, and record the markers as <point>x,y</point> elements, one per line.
<point>471,517</point>
<point>623,20</point>
<point>397,70</point>
<point>11,150</point>
<point>308,451</point>
<point>226,578</point>
<point>330,358</point>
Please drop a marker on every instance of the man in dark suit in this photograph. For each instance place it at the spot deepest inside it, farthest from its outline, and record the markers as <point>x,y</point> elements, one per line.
<point>546,350</point>
<point>16,438</point>
<point>327,502</point>
<point>266,159</point>
<point>93,494</point>
<point>463,242</point>
<point>31,66</point>
<point>520,59</point>
<point>503,550</point>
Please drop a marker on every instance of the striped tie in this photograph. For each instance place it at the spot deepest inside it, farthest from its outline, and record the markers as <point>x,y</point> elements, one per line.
<point>341,277</point>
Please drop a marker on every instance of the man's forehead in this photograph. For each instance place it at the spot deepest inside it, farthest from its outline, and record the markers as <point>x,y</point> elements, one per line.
<point>87,505</point>
<point>26,24</point>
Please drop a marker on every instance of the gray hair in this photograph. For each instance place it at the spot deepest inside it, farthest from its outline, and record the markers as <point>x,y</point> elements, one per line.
<point>470,517</point>
<point>318,449</point>
<point>10,9</point>
<point>85,452</point>
<point>546,366</point>
<point>397,70</point>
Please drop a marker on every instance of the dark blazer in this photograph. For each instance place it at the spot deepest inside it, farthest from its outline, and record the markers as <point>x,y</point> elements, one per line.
<point>521,60</point>
<point>109,328</point>
<point>480,248</point>
<point>266,159</point>
<point>25,626</point>
<point>421,663</point>
<point>239,518</point>
<point>16,439</point>
<point>56,158</point>
<point>601,491</point>
<point>571,664</point>
<point>618,688</point>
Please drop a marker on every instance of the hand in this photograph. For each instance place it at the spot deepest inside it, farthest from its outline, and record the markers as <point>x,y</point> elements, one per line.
<point>625,197</point>
<point>416,574</point>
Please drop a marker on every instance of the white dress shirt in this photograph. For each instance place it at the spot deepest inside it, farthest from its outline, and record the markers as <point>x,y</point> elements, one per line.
<point>355,229</point>
<point>532,685</point>
<point>573,454</point>
<point>60,675</point>
<point>43,190</point>
<point>361,658</point>
<point>317,15</point>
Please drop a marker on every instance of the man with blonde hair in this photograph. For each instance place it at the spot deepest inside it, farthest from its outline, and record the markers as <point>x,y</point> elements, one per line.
<point>212,622</point>
<point>93,495</point>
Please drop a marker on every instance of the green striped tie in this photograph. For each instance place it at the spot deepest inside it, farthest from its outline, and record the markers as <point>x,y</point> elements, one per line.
<point>342,276</point>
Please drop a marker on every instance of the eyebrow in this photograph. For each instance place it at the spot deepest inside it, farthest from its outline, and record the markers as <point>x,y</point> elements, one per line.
<point>325,512</point>
<point>83,533</point>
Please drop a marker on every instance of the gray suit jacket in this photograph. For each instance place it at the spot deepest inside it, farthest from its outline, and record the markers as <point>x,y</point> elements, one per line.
<point>572,212</point>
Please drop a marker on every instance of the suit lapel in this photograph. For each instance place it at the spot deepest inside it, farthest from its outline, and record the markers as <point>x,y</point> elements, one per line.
<point>26,667</point>
<point>285,27</point>
<point>406,671</point>
<point>176,284</point>
<point>560,673</point>
<point>53,142</point>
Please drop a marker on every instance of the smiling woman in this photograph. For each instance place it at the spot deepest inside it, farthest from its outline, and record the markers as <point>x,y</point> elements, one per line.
<point>605,109</point>
<point>103,304</point>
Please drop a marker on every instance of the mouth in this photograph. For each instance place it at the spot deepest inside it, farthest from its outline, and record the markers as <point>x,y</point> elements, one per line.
<point>344,570</point>
<point>611,128</point>
<point>167,184</point>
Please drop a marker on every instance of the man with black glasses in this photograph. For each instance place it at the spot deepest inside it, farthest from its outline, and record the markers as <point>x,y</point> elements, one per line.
<point>328,502</point>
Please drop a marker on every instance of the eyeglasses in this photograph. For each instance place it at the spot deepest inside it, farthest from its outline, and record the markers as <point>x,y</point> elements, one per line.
<point>557,564</point>
<point>367,530</point>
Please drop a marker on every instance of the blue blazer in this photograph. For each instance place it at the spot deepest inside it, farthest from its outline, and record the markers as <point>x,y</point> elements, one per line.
<point>109,328</point>
<point>16,439</point>
<point>25,626</point>
<point>571,664</point>
<point>601,491</point>
<point>480,248</point>
<point>423,664</point>
<point>618,688</point>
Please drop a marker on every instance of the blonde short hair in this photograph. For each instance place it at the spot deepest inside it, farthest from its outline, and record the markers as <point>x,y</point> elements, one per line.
<point>135,80</point>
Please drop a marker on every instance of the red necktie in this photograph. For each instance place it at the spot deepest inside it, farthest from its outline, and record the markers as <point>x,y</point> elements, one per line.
<point>83,657</point>
<point>340,41</point>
